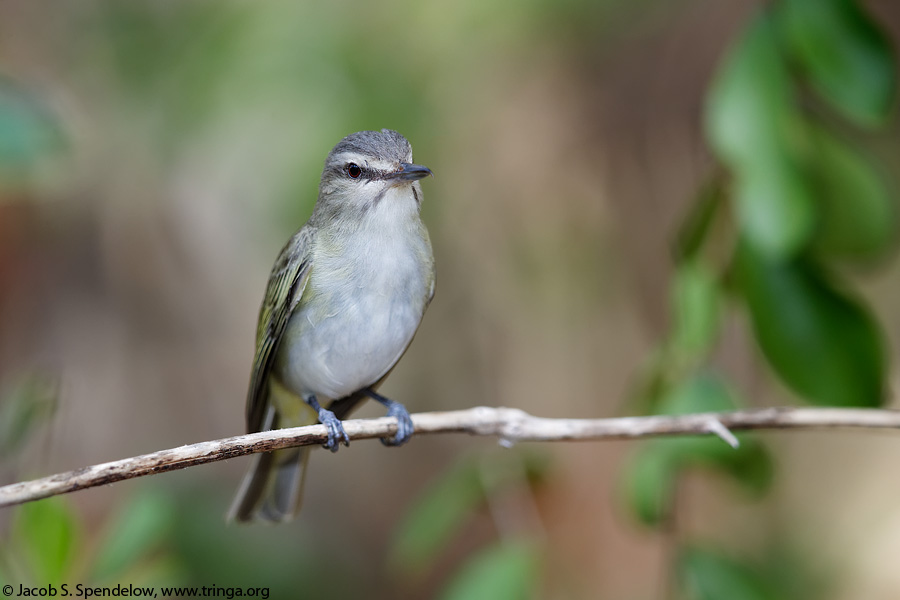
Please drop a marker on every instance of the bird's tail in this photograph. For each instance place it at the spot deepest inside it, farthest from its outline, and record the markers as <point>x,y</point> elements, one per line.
<point>272,490</point>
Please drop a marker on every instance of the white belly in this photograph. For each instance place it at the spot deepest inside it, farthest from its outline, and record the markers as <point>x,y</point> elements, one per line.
<point>346,351</point>
<point>354,322</point>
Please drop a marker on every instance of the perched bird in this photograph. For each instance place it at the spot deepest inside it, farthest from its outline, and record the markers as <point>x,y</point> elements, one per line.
<point>343,303</point>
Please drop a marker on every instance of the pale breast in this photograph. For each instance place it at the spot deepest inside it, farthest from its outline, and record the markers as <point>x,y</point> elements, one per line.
<point>357,315</point>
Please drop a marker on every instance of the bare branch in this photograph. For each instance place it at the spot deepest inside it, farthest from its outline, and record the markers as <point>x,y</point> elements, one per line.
<point>508,424</point>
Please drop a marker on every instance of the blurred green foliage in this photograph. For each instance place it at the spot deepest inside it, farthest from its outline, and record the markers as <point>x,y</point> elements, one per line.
<point>821,341</point>
<point>652,475</point>
<point>844,55</point>
<point>708,575</point>
<point>30,135</point>
<point>506,571</point>
<point>439,516</point>
<point>296,560</point>
<point>795,203</point>
<point>431,523</point>
<point>857,213</point>
<point>46,533</point>
<point>755,126</point>
<point>804,198</point>
<point>47,540</point>
<point>139,527</point>
<point>697,308</point>
<point>26,405</point>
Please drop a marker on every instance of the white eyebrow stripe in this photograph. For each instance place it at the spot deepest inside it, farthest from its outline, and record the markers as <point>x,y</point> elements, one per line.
<point>345,157</point>
<point>369,163</point>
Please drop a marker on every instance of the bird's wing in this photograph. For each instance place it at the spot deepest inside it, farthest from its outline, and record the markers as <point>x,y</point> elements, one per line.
<point>286,285</point>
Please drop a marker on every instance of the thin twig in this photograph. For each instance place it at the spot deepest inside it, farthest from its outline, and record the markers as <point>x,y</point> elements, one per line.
<point>508,424</point>
<point>715,426</point>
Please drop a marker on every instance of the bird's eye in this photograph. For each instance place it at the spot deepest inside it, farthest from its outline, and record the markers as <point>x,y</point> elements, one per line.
<point>354,170</point>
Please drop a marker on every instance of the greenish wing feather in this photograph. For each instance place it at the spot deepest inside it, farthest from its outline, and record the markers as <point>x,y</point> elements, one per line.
<point>286,285</point>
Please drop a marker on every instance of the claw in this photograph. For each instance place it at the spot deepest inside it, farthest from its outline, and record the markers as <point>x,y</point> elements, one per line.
<point>404,425</point>
<point>398,411</point>
<point>336,433</point>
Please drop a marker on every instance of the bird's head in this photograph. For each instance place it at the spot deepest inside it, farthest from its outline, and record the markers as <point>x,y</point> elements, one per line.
<point>368,168</point>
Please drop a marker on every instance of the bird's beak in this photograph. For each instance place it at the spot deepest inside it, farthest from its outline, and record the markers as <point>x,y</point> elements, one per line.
<point>410,172</point>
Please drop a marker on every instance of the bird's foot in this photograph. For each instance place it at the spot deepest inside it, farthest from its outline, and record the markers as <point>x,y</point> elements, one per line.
<point>404,425</point>
<point>398,411</point>
<point>336,433</point>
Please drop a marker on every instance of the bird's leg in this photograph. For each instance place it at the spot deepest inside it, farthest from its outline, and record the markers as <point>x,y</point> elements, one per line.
<point>336,433</point>
<point>399,412</point>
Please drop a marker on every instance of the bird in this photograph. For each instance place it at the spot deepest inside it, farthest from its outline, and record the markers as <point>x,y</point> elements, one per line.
<point>343,302</point>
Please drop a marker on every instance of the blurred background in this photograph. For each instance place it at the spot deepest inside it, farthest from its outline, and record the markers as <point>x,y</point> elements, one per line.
<point>154,157</point>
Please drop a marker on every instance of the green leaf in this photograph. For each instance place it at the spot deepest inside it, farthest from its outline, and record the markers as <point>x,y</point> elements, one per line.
<point>775,206</point>
<point>821,342</point>
<point>846,56</point>
<point>436,517</point>
<point>136,531</point>
<point>46,531</point>
<point>649,483</point>
<point>751,103</point>
<point>858,218</point>
<point>694,232</point>
<point>31,402</point>
<point>755,127</point>
<point>696,310</point>
<point>507,571</point>
<point>708,575</point>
